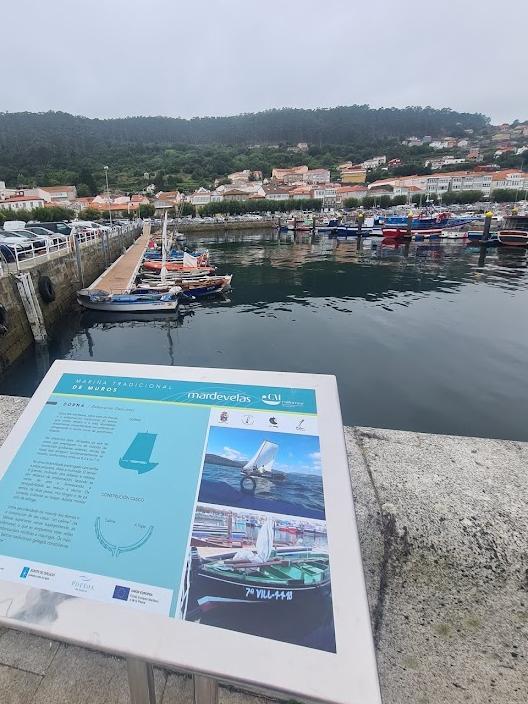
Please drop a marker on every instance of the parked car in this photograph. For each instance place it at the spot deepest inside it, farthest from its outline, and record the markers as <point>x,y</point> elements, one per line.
<point>37,241</point>
<point>83,225</point>
<point>62,228</point>
<point>44,233</point>
<point>15,243</point>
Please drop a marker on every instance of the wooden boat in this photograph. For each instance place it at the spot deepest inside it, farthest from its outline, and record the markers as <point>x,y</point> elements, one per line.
<point>515,232</point>
<point>177,266</point>
<point>95,299</point>
<point>195,288</point>
<point>290,584</point>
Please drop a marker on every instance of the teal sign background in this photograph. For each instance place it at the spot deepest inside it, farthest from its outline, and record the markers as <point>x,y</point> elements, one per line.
<point>190,392</point>
<point>124,506</point>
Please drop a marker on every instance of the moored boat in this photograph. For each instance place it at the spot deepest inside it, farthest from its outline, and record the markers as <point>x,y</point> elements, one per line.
<point>515,232</point>
<point>155,265</point>
<point>96,299</point>
<point>195,288</point>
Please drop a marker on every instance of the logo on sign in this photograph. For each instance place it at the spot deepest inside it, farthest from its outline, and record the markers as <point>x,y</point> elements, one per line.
<point>25,572</point>
<point>82,584</point>
<point>121,592</point>
<point>271,399</point>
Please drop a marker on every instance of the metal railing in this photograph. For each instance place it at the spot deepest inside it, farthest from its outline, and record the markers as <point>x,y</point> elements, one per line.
<point>23,257</point>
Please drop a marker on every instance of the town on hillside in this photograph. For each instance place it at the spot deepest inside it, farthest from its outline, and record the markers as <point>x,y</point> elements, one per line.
<point>464,169</point>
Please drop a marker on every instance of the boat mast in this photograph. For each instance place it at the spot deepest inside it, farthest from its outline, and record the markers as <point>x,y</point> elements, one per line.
<point>164,250</point>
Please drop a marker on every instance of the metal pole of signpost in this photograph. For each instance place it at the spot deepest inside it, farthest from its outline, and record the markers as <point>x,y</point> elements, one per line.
<point>205,690</point>
<point>141,682</point>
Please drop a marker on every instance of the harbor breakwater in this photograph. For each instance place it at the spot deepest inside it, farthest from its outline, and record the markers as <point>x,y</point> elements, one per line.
<point>68,270</point>
<point>442,524</point>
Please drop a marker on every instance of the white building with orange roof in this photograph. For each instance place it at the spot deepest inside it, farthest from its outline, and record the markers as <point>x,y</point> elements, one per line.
<point>59,195</point>
<point>295,174</point>
<point>19,201</point>
<point>299,192</point>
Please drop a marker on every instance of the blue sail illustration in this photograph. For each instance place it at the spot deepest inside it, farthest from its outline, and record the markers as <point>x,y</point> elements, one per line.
<point>138,454</point>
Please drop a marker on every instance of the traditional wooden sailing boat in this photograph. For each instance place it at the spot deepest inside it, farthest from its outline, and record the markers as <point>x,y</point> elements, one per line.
<point>261,464</point>
<point>280,593</point>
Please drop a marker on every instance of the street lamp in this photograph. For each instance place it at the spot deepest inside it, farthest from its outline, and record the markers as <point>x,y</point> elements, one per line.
<point>108,194</point>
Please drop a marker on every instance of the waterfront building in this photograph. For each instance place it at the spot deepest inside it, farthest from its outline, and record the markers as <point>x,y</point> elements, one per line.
<point>19,201</point>
<point>276,192</point>
<point>485,181</point>
<point>302,191</point>
<point>201,197</point>
<point>353,191</point>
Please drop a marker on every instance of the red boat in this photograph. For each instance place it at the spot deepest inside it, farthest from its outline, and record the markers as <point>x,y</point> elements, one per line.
<point>156,265</point>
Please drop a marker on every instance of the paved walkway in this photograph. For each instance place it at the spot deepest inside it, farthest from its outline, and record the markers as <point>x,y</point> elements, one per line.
<point>443,524</point>
<point>117,277</point>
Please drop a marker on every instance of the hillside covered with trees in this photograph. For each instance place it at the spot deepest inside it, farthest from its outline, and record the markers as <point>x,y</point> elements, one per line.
<point>54,147</point>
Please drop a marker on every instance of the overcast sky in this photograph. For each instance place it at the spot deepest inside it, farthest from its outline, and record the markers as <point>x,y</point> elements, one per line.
<point>108,58</point>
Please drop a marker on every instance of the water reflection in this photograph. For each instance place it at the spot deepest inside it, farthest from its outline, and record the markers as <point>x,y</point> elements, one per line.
<point>426,336</point>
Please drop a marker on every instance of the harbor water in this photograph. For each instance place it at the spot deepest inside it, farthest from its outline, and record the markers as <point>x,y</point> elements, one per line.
<point>424,337</point>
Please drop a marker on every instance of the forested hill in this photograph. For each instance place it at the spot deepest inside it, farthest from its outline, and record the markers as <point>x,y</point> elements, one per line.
<point>340,125</point>
<point>54,147</point>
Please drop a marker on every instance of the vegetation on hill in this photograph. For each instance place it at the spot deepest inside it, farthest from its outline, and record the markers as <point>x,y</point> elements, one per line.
<point>55,148</point>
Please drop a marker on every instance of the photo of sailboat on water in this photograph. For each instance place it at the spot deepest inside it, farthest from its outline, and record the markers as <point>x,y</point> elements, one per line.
<point>263,471</point>
<point>261,574</point>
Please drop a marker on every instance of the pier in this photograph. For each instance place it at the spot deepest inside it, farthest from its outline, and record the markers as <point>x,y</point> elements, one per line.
<point>442,522</point>
<point>120,275</point>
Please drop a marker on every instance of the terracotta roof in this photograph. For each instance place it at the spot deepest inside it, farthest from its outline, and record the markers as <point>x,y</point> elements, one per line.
<point>54,189</point>
<point>354,188</point>
<point>15,199</point>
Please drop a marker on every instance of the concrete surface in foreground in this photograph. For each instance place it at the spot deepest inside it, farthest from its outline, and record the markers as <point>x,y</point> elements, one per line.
<point>443,523</point>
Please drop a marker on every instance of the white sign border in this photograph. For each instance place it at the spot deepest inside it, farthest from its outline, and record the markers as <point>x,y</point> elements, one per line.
<point>346,677</point>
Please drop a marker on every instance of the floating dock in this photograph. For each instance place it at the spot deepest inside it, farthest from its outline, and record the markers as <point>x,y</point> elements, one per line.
<point>120,275</point>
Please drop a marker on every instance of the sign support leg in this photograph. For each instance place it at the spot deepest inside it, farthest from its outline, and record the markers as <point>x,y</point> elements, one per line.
<point>205,690</point>
<point>141,682</point>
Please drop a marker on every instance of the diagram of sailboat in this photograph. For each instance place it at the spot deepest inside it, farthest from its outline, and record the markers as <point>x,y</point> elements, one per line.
<point>137,457</point>
<point>261,464</point>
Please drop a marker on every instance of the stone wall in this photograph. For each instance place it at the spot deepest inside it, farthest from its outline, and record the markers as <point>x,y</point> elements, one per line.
<point>63,272</point>
<point>197,226</point>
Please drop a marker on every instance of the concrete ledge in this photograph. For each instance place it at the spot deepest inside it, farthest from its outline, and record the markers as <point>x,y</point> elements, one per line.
<point>443,524</point>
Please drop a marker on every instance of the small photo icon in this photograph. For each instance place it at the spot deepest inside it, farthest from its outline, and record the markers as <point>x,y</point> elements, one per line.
<point>25,572</point>
<point>224,417</point>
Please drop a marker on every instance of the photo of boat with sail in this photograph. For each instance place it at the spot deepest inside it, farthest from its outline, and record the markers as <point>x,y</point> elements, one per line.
<point>272,581</point>
<point>263,471</point>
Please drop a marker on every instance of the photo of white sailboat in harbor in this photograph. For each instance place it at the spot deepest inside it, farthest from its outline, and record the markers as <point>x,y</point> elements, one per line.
<point>263,471</point>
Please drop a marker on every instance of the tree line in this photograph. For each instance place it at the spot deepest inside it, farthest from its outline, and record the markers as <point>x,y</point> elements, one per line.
<point>54,148</point>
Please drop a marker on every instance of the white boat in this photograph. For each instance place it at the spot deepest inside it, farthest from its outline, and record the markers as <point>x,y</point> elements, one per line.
<point>96,299</point>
